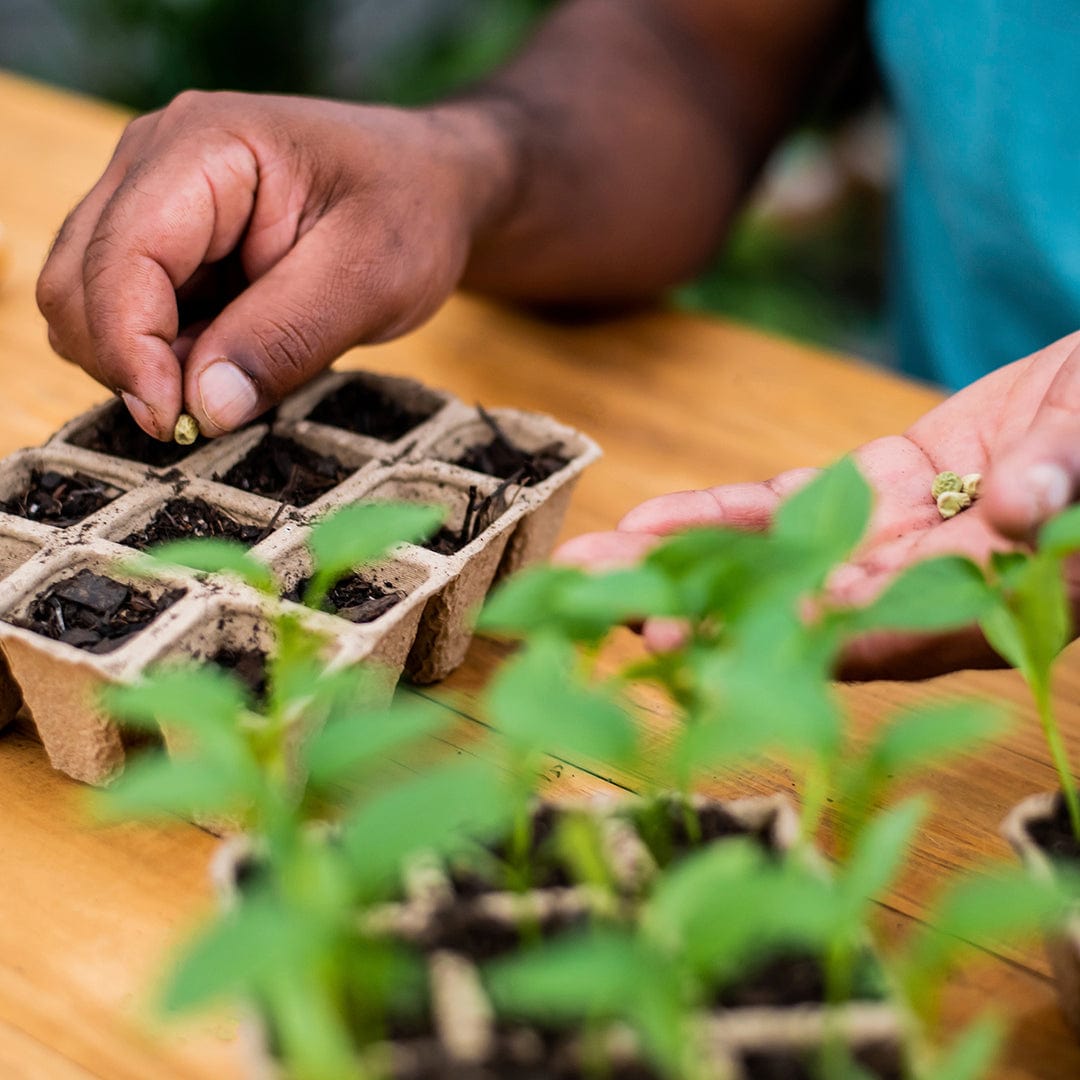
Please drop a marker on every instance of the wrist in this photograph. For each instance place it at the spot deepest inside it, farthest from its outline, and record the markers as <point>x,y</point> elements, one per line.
<point>484,147</point>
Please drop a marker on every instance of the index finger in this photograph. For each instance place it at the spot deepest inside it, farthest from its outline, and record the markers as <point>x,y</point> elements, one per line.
<point>187,207</point>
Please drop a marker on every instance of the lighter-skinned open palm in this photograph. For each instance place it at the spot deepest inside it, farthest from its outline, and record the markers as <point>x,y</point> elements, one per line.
<point>1018,426</point>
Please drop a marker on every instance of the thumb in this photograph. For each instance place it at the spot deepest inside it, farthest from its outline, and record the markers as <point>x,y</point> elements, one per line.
<point>1040,475</point>
<point>287,326</point>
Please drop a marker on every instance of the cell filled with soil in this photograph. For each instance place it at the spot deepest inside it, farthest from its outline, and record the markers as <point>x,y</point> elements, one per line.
<point>481,512</point>
<point>671,829</point>
<point>364,409</point>
<point>796,977</point>
<point>247,665</point>
<point>501,457</point>
<point>60,498</point>
<point>880,1062</point>
<point>1054,834</point>
<point>95,613</point>
<point>482,936</point>
<point>356,598</point>
<point>115,433</point>
<point>192,518</point>
<point>492,868</point>
<point>286,471</point>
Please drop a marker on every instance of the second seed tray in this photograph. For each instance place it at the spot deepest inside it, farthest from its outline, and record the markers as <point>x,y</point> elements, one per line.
<point>418,436</point>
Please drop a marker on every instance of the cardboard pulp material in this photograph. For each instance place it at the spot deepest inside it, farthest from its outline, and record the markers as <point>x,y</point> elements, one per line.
<point>1062,945</point>
<point>426,635</point>
<point>466,1032</point>
<point>61,684</point>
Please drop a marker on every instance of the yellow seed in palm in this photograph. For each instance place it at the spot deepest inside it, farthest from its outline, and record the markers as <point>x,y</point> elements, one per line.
<point>950,503</point>
<point>945,481</point>
<point>971,484</point>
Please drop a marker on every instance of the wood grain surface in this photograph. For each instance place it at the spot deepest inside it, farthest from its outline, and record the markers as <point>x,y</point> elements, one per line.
<point>88,915</point>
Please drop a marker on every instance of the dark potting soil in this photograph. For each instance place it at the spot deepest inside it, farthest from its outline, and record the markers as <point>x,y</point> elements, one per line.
<point>285,471</point>
<point>795,977</point>
<point>481,937</point>
<point>356,598</point>
<point>671,838</point>
<point>60,499</point>
<point>94,612</point>
<point>248,665</point>
<point>500,456</point>
<point>481,511</point>
<point>879,1061</point>
<point>1054,834</point>
<point>183,519</point>
<point>366,410</point>
<point>490,872</point>
<point>119,435</point>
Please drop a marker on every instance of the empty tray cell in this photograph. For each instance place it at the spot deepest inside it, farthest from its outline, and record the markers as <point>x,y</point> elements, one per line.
<point>198,510</point>
<point>378,406</point>
<point>290,467</point>
<point>110,430</point>
<point>16,550</point>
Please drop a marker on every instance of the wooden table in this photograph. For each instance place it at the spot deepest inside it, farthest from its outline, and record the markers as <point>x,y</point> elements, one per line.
<point>88,915</point>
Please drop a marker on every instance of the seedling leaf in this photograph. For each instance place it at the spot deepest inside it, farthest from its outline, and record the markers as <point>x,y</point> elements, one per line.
<point>212,556</point>
<point>933,595</point>
<point>931,733</point>
<point>540,703</point>
<point>829,516</point>
<point>971,1054</point>
<point>361,534</point>
<point>1061,535</point>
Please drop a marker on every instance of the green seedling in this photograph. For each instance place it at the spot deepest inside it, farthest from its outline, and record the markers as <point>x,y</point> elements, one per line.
<point>1030,623</point>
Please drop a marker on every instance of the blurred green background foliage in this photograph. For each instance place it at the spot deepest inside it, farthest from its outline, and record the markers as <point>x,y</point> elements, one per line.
<point>803,260</point>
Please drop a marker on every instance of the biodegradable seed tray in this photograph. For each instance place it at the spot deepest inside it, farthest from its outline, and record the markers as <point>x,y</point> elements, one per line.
<point>457,935</point>
<point>1063,942</point>
<point>380,437</point>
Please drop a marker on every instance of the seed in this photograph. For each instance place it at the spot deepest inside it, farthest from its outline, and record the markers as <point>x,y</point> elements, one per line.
<point>971,484</point>
<point>186,430</point>
<point>950,503</point>
<point>945,481</point>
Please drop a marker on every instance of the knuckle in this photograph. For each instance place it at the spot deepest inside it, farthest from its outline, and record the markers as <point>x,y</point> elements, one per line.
<point>51,293</point>
<point>288,345</point>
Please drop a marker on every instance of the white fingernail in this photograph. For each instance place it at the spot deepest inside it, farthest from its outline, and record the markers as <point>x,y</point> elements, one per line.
<point>1049,489</point>
<point>228,395</point>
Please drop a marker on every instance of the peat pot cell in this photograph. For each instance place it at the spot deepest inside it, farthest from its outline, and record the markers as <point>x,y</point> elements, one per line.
<point>491,868</point>
<point>670,829</point>
<point>94,612</point>
<point>59,498</point>
<point>246,665</point>
<point>365,408</point>
<point>115,433</point>
<point>482,936</point>
<point>356,598</point>
<point>877,1062</point>
<point>285,471</point>
<point>501,457</point>
<point>186,518</point>
<point>796,977</point>
<point>1054,834</point>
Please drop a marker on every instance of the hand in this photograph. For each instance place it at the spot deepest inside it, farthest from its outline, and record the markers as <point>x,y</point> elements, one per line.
<point>1019,427</point>
<point>236,244</point>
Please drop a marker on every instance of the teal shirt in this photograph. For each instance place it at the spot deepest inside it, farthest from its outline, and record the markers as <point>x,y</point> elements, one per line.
<point>986,249</point>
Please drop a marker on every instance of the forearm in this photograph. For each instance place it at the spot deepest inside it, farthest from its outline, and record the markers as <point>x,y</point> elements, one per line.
<point>625,138</point>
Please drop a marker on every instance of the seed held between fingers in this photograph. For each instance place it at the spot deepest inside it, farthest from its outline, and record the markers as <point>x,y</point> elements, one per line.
<point>946,481</point>
<point>186,430</point>
<point>950,503</point>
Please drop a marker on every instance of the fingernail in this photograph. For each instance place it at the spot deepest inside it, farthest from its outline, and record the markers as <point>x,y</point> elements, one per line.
<point>141,413</point>
<point>228,395</point>
<point>1049,490</point>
